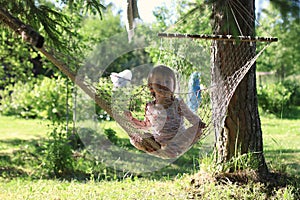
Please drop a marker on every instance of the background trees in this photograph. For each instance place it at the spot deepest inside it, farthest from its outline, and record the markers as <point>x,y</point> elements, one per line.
<point>281,93</point>
<point>281,58</point>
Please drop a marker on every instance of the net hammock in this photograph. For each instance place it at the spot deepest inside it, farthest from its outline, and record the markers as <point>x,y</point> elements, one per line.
<point>174,50</point>
<point>182,52</point>
<point>184,55</point>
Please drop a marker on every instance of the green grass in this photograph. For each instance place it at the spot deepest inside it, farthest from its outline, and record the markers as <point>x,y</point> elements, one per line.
<point>20,137</point>
<point>17,128</point>
<point>125,189</point>
<point>16,133</point>
<point>282,143</point>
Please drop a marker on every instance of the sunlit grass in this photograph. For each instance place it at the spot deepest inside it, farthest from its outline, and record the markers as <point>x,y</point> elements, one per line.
<point>68,190</point>
<point>115,126</point>
<point>281,147</point>
<point>282,143</point>
<point>18,128</point>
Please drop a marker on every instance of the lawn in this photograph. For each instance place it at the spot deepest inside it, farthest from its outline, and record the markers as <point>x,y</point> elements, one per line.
<point>282,144</point>
<point>17,179</point>
<point>17,128</point>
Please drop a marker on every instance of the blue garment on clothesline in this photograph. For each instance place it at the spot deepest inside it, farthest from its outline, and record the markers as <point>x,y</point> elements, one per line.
<point>194,93</point>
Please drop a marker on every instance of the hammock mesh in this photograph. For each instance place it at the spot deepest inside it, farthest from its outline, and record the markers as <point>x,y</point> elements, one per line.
<point>177,54</point>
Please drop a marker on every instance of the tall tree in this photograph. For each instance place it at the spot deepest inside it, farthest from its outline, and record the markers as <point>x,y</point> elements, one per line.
<point>241,131</point>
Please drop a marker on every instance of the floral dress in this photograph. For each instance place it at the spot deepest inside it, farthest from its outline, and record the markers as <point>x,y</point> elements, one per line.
<point>165,123</point>
<point>166,126</point>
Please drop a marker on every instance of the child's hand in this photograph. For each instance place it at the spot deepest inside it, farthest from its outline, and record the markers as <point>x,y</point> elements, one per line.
<point>202,125</point>
<point>128,114</point>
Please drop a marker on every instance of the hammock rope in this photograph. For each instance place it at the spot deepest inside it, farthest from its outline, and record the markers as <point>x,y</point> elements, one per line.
<point>226,38</point>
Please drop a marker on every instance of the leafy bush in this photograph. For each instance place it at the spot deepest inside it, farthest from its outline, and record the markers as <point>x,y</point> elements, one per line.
<point>42,98</point>
<point>46,98</point>
<point>274,97</point>
<point>58,155</point>
<point>294,87</point>
<point>68,155</point>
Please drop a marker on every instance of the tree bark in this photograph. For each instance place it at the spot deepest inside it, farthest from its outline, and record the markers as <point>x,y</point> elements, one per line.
<point>239,131</point>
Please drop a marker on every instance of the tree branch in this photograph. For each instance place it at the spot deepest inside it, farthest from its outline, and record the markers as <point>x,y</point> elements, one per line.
<point>26,31</point>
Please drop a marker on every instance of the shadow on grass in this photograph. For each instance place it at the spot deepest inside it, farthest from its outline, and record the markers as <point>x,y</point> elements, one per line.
<point>275,157</point>
<point>269,185</point>
<point>290,113</point>
<point>24,158</point>
<point>186,164</point>
<point>189,163</point>
<point>12,172</point>
<point>281,151</point>
<point>19,156</point>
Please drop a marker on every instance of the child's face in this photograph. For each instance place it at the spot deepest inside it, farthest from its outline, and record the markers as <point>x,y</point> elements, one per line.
<point>162,85</point>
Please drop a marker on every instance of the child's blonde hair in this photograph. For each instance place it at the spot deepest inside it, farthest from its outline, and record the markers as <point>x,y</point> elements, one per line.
<point>165,72</point>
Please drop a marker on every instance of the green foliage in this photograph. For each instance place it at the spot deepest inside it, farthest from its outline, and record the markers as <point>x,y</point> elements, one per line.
<point>86,108</point>
<point>42,98</point>
<point>194,17</point>
<point>51,21</point>
<point>162,14</point>
<point>93,31</point>
<point>273,98</point>
<point>278,97</point>
<point>46,98</point>
<point>287,9</point>
<point>57,156</point>
<point>16,60</point>
<point>294,87</point>
<point>138,98</point>
<point>183,55</point>
<point>283,56</point>
<point>111,135</point>
<point>60,24</point>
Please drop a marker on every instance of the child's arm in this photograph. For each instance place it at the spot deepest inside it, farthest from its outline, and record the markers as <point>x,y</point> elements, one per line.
<point>140,124</point>
<point>190,116</point>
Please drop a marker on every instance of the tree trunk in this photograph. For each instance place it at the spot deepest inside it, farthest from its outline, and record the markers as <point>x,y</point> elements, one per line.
<point>240,129</point>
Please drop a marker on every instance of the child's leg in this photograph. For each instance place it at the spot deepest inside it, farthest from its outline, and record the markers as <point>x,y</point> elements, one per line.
<point>194,132</point>
<point>144,142</point>
<point>184,140</point>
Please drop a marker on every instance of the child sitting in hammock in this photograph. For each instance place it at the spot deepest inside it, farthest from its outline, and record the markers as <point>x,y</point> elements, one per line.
<point>164,117</point>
